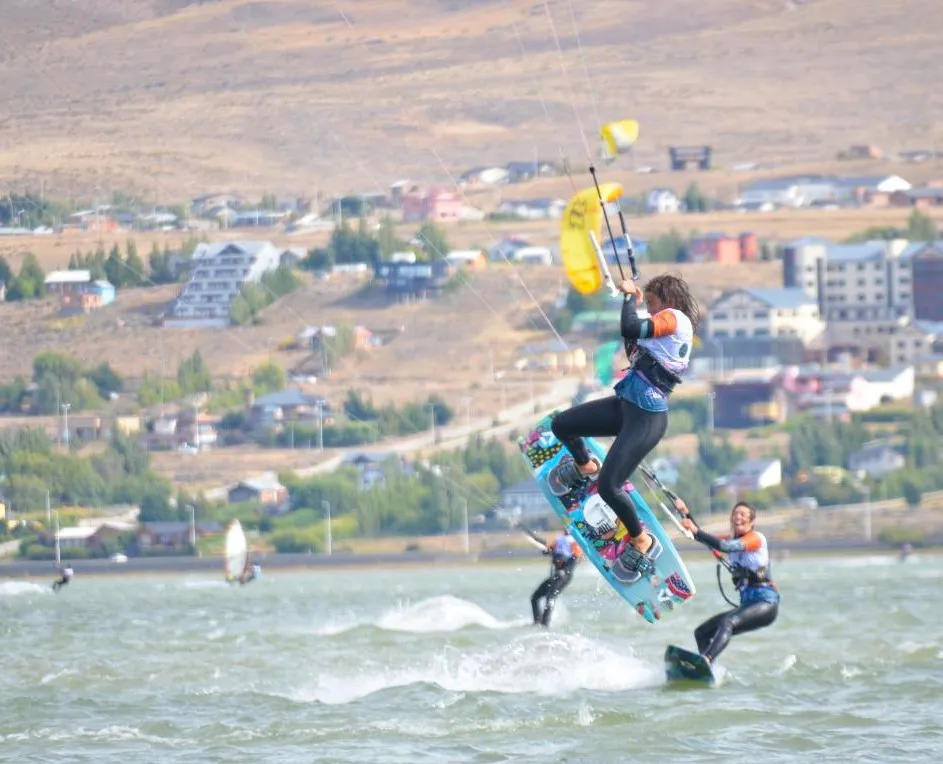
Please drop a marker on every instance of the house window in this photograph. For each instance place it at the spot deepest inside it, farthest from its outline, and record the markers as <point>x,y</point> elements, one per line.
<point>721,333</point>
<point>719,316</point>
<point>862,298</point>
<point>862,282</point>
<point>861,266</point>
<point>761,314</point>
<point>741,333</point>
<point>761,333</point>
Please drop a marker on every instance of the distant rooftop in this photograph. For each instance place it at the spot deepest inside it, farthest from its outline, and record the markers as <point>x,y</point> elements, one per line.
<point>782,299</point>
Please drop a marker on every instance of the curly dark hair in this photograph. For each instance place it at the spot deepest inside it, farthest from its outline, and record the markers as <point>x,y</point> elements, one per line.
<point>748,507</point>
<point>673,292</point>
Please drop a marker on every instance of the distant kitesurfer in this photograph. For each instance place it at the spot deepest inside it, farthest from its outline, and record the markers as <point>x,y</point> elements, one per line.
<point>659,349</point>
<point>66,574</point>
<point>748,555</point>
<point>564,554</point>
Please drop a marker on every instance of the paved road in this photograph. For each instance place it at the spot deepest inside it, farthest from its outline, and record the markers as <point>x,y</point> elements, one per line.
<point>456,436</point>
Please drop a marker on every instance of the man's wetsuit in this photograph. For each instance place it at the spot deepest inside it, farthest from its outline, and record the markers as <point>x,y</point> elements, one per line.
<point>759,599</point>
<point>564,554</point>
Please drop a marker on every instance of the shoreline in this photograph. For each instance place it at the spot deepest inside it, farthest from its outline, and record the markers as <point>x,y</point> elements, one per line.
<point>346,561</point>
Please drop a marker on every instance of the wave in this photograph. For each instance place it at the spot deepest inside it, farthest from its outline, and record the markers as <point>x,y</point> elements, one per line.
<point>205,584</point>
<point>432,615</point>
<point>542,663</point>
<point>19,588</point>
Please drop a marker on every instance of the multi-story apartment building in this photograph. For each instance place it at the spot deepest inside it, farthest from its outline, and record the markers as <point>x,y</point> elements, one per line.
<point>869,293</point>
<point>217,274</point>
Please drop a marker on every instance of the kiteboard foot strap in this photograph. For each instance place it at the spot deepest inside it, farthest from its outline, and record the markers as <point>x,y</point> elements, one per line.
<point>633,564</point>
<point>566,476</point>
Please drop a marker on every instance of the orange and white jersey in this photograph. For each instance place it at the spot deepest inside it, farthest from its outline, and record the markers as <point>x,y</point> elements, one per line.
<point>748,551</point>
<point>670,339</point>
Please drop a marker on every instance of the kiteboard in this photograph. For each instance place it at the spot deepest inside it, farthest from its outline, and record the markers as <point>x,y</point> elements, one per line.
<point>236,554</point>
<point>681,664</point>
<point>602,536</point>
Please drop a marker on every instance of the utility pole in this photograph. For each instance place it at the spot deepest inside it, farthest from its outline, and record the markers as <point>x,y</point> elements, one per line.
<point>65,409</point>
<point>432,421</point>
<point>196,426</point>
<point>320,425</point>
<point>327,508</point>
<point>465,516</point>
<point>468,402</point>
<point>192,527</point>
<point>710,411</point>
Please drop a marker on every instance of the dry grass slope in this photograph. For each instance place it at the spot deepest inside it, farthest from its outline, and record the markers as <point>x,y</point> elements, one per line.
<point>174,97</point>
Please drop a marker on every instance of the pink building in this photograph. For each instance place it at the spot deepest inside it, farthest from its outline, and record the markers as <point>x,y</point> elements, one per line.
<point>437,205</point>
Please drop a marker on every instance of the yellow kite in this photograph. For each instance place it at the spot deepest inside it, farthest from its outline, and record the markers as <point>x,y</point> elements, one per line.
<point>583,216</point>
<point>617,138</point>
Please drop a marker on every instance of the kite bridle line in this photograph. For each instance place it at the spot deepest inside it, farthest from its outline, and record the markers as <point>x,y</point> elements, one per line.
<point>625,232</point>
<point>656,486</point>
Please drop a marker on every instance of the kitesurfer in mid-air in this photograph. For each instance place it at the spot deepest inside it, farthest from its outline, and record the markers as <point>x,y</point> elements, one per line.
<point>564,554</point>
<point>659,349</point>
<point>66,574</point>
<point>748,557</point>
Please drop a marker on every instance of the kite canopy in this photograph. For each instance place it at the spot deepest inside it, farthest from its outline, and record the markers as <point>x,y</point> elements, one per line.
<point>617,138</point>
<point>584,216</point>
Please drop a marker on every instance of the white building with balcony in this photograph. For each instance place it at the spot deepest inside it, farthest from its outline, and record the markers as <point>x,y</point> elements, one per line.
<point>765,313</point>
<point>217,273</point>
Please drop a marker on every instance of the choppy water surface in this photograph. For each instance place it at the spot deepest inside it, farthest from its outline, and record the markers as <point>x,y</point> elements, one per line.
<point>441,664</point>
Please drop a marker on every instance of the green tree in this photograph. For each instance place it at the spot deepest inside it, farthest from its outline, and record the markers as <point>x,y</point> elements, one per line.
<point>6,274</point>
<point>154,390</point>
<point>694,200</point>
<point>106,379</point>
<point>30,282</point>
<point>920,227</point>
<point>135,275</point>
<point>115,270</point>
<point>434,240</point>
<point>913,493</point>
<point>359,409</point>
<point>193,375</point>
<point>579,303</point>
<point>668,248</point>
<point>387,239</point>
<point>267,378</point>
<point>319,259</point>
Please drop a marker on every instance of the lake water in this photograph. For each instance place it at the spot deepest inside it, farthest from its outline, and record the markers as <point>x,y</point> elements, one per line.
<point>441,664</point>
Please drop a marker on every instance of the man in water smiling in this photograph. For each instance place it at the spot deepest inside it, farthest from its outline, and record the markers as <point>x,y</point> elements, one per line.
<point>748,555</point>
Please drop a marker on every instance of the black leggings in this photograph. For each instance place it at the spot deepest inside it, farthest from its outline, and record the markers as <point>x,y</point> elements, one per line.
<point>636,433</point>
<point>550,589</point>
<point>713,635</point>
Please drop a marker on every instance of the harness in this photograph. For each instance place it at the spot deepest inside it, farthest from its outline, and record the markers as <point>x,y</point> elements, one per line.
<point>743,576</point>
<point>657,374</point>
<point>559,562</point>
